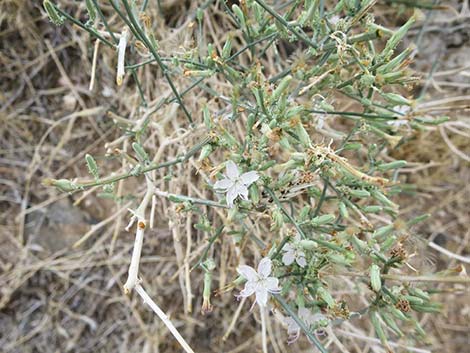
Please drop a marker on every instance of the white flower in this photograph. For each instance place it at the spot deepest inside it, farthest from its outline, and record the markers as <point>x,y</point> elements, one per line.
<point>235,184</point>
<point>294,252</point>
<point>402,109</point>
<point>293,329</point>
<point>259,282</point>
<point>398,122</point>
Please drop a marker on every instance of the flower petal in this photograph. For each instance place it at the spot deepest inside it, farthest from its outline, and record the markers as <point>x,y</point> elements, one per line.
<point>247,272</point>
<point>242,190</point>
<point>249,289</point>
<point>261,296</point>
<point>231,195</point>
<point>249,178</point>
<point>232,170</point>
<point>288,247</point>
<point>301,261</point>
<point>223,184</point>
<point>288,258</point>
<point>272,284</point>
<point>264,267</point>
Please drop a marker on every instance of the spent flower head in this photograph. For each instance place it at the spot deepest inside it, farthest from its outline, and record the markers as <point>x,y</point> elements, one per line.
<point>259,282</point>
<point>235,184</point>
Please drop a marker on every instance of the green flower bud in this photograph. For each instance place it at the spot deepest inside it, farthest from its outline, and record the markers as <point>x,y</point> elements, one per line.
<point>52,13</point>
<point>281,88</point>
<point>398,314</point>
<point>372,209</point>
<point>376,194</point>
<point>417,292</point>
<point>427,307</point>
<point>323,219</point>
<point>284,142</point>
<point>277,219</point>
<point>359,244</point>
<point>254,193</point>
<point>375,321</point>
<point>359,193</point>
<point>343,210</point>
<point>92,166</point>
<point>140,152</point>
<point>303,135</point>
<point>383,231</point>
<point>250,122</point>
<point>375,280</point>
<point>396,99</point>
<point>388,319</point>
<point>308,244</point>
<point>63,185</point>
<point>352,146</point>
<point>227,49</point>
<point>414,300</point>
<point>388,243</point>
<point>90,7</point>
<point>396,38</point>
<point>199,14</point>
<point>206,150</point>
<point>239,13</point>
<point>267,165</point>
<point>324,295</point>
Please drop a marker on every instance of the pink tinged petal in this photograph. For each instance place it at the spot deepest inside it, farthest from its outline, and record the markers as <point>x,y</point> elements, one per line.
<point>264,267</point>
<point>272,284</point>
<point>249,178</point>
<point>288,258</point>
<point>247,272</point>
<point>261,296</point>
<point>242,190</point>
<point>231,195</point>
<point>223,184</point>
<point>232,170</point>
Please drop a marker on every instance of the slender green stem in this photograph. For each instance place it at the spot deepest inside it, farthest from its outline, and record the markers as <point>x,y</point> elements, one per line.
<point>105,23</point>
<point>322,198</point>
<point>280,246</point>
<point>212,240</point>
<point>183,198</point>
<point>362,115</point>
<point>300,35</point>
<point>249,45</point>
<point>153,166</point>
<point>149,61</point>
<point>82,26</point>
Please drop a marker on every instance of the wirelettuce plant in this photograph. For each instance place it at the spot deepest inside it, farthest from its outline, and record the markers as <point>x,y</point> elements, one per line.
<point>299,106</point>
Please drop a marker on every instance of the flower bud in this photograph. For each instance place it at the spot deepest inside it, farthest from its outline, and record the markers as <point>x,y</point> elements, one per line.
<point>375,281</point>
<point>92,166</point>
<point>53,14</point>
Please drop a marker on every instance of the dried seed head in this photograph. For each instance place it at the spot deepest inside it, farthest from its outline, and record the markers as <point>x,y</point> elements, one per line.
<point>399,252</point>
<point>403,305</point>
<point>146,21</point>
